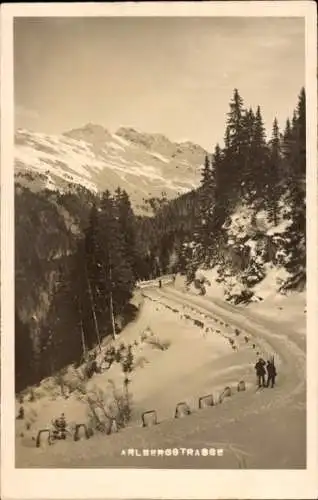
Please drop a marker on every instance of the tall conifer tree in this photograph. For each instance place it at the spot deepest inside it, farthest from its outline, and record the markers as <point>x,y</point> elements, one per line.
<point>273,192</point>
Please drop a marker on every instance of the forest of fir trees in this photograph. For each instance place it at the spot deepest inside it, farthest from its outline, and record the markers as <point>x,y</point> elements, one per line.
<point>92,293</point>
<point>118,248</point>
<point>258,173</point>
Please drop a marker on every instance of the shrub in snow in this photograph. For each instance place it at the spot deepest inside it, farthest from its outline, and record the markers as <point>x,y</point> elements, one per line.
<point>59,380</point>
<point>146,334</point>
<point>127,362</point>
<point>49,385</point>
<point>199,286</point>
<point>296,281</point>
<point>240,223</point>
<point>104,408</point>
<point>157,343</point>
<point>90,368</point>
<point>110,356</point>
<point>242,296</point>
<point>140,362</point>
<point>98,419</point>
<point>74,380</point>
<point>39,393</point>
<point>59,428</point>
<point>20,415</point>
<point>121,405</point>
<point>253,274</point>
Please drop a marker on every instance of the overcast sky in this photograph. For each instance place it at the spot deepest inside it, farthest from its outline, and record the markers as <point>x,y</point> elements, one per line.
<point>169,75</point>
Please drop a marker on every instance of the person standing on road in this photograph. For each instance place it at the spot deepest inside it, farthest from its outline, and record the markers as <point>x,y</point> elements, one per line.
<point>260,372</point>
<point>271,373</point>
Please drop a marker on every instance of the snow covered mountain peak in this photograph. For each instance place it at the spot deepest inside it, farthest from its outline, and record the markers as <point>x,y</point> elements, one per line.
<point>91,132</point>
<point>145,165</point>
<point>143,139</point>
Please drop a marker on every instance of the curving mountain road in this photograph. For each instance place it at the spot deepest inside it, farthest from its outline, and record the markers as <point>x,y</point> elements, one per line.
<point>289,346</point>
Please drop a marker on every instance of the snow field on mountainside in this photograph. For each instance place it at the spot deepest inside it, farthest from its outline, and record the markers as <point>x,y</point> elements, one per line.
<point>99,160</point>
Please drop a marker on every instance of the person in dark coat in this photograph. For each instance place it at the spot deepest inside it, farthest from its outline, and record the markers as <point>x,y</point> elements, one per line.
<point>260,372</point>
<point>271,373</point>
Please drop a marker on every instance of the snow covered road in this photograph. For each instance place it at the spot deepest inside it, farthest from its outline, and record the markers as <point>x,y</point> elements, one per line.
<point>279,341</point>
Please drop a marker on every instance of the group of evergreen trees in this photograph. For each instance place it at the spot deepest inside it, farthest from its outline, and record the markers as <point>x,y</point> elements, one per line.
<point>95,285</point>
<point>258,172</point>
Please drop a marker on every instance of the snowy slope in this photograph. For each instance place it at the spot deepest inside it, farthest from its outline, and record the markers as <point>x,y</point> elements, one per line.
<point>194,365</point>
<point>254,257</point>
<point>146,165</point>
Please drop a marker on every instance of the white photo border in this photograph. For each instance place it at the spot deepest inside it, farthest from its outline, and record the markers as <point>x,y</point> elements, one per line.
<point>144,483</point>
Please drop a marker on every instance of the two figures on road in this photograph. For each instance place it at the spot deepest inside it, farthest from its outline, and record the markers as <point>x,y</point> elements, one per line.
<point>261,368</point>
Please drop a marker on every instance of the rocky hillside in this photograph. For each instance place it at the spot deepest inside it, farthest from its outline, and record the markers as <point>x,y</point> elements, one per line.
<point>145,165</point>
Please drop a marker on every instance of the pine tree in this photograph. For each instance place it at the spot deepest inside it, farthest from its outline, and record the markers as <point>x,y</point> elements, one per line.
<point>227,138</point>
<point>206,192</point>
<point>259,156</point>
<point>286,140</point>
<point>117,269</point>
<point>206,211</point>
<point>294,143</point>
<point>295,243</point>
<point>235,122</point>
<point>233,165</point>
<point>93,270</point>
<point>301,133</point>
<point>273,191</point>
<point>295,162</point>
<point>83,299</point>
<point>206,172</point>
<point>248,174</point>
<point>61,341</point>
<point>127,223</point>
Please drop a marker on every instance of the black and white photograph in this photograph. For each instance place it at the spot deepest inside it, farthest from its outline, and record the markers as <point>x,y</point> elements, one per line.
<point>161,220</point>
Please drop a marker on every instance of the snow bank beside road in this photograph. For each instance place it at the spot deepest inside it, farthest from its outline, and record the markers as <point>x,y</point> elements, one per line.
<point>288,309</point>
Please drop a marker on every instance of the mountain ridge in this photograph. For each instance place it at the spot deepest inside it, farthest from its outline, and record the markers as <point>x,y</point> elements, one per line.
<point>145,165</point>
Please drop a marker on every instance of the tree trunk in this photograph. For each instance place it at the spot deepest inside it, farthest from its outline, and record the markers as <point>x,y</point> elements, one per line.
<point>84,348</point>
<point>111,305</point>
<point>93,309</point>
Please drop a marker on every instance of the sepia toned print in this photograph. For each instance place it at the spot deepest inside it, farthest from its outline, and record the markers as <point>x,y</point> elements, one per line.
<point>161,269</point>
<point>161,255</point>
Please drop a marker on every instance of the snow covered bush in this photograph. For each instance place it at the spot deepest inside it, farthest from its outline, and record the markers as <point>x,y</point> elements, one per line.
<point>106,407</point>
<point>160,344</point>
